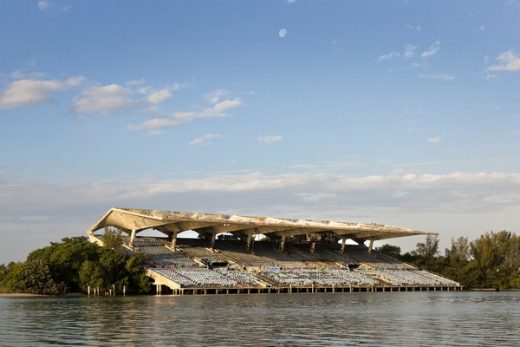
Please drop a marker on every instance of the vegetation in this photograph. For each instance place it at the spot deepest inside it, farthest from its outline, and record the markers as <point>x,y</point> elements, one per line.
<point>491,261</point>
<point>74,264</point>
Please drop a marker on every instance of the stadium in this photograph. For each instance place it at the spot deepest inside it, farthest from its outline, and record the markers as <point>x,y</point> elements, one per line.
<point>248,255</point>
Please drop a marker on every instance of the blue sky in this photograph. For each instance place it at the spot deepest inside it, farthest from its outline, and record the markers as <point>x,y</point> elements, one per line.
<point>396,112</point>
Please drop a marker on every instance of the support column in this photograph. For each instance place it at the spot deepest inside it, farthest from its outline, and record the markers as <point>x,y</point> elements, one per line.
<point>212,243</point>
<point>248,242</point>
<point>343,240</point>
<point>313,247</point>
<point>282,244</point>
<point>370,246</point>
<point>132,238</point>
<point>174,241</point>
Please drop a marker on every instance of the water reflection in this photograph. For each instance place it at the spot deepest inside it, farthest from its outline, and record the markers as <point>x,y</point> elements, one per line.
<point>370,319</point>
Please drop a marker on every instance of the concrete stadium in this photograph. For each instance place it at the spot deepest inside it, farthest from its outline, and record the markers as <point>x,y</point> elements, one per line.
<point>241,254</point>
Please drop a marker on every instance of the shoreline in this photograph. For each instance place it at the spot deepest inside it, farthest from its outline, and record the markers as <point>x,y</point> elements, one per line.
<point>21,295</point>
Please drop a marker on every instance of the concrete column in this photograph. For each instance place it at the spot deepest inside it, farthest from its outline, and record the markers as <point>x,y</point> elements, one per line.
<point>248,243</point>
<point>282,244</point>
<point>313,247</point>
<point>343,245</point>
<point>370,246</point>
<point>132,238</point>
<point>174,241</point>
<point>213,240</point>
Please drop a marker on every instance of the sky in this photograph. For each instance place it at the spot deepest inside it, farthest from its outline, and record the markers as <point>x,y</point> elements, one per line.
<point>397,112</point>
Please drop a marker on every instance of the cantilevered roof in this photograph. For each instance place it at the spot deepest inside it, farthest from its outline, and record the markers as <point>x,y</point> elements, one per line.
<point>170,222</point>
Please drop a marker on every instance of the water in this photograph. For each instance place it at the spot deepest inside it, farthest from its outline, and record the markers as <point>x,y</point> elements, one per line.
<point>368,319</point>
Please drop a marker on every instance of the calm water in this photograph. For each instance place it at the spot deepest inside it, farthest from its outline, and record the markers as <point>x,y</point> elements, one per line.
<point>369,319</point>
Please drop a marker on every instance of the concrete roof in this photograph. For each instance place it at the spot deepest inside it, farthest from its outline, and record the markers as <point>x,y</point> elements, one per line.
<point>170,222</point>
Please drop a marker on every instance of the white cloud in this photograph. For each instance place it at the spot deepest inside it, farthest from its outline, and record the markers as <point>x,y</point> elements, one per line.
<point>442,76</point>
<point>105,99</point>
<point>43,5</point>
<point>409,51</point>
<point>159,96</point>
<point>215,95</point>
<point>25,92</point>
<point>270,138</point>
<point>205,140</point>
<point>282,33</point>
<point>156,96</point>
<point>417,28</point>
<point>434,48</point>
<point>291,1</point>
<point>507,61</point>
<point>434,140</point>
<point>161,123</point>
<point>116,98</point>
<point>388,56</point>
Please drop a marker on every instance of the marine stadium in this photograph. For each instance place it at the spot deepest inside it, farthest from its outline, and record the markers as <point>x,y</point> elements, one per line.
<point>251,255</point>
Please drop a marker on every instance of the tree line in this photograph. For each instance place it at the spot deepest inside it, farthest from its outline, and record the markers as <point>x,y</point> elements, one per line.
<point>73,265</point>
<point>491,261</point>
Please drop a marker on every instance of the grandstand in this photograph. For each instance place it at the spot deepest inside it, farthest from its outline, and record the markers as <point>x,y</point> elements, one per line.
<point>237,254</point>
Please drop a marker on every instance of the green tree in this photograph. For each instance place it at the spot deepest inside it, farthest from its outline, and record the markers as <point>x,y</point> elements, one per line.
<point>33,277</point>
<point>112,238</point>
<point>496,258</point>
<point>390,250</point>
<point>74,264</point>
<point>90,274</point>
<point>457,258</point>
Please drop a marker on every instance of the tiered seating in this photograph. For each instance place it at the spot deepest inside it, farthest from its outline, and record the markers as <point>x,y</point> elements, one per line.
<point>441,280</point>
<point>295,266</point>
<point>159,255</point>
<point>330,255</point>
<point>270,251</point>
<point>247,259</point>
<point>241,277</point>
<point>411,277</point>
<point>308,277</point>
<point>176,277</point>
<point>205,277</point>
<point>202,253</point>
<point>374,260</point>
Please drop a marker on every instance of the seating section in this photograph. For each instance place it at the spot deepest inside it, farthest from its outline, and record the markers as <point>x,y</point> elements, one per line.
<point>409,277</point>
<point>309,277</point>
<point>228,265</point>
